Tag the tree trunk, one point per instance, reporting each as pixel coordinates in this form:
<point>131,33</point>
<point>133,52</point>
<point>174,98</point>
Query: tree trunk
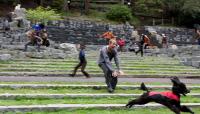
<point>65,6</point>
<point>122,2</point>
<point>153,23</point>
<point>42,2</point>
<point>86,5</point>
<point>17,2</point>
<point>172,20</point>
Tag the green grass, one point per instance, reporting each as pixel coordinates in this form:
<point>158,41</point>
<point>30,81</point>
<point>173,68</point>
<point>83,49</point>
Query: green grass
<point>108,111</point>
<point>75,90</point>
<point>92,83</point>
<point>79,100</point>
<point>151,66</point>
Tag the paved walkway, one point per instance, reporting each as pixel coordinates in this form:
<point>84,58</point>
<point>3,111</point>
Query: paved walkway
<point>93,79</point>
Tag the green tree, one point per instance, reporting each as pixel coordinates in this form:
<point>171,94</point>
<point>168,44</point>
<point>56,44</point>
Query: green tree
<point>172,9</point>
<point>148,7</point>
<point>120,13</point>
<point>41,14</point>
<point>191,7</point>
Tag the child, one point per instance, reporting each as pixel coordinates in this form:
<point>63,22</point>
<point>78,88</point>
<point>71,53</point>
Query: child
<point>82,62</point>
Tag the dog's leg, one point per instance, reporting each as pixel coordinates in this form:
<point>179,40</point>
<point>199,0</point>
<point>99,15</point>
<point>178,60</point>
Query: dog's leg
<point>186,109</point>
<point>172,107</point>
<point>143,99</point>
<point>137,102</point>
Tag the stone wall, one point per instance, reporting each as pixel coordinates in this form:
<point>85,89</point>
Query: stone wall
<point>76,31</point>
<point>188,55</point>
<point>178,36</point>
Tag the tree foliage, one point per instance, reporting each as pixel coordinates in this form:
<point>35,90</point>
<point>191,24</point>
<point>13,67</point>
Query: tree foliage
<point>149,7</point>
<point>173,7</point>
<point>119,13</point>
<point>41,14</point>
<point>192,7</point>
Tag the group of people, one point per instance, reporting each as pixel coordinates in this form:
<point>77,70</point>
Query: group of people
<point>37,36</point>
<point>144,43</point>
<point>120,41</point>
<point>106,54</point>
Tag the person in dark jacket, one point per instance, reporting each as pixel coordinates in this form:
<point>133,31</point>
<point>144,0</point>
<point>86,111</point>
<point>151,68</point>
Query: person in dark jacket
<point>107,53</point>
<point>82,62</point>
<point>140,45</point>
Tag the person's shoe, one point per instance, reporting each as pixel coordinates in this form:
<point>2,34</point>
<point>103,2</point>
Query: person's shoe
<point>71,75</point>
<point>88,77</point>
<point>110,90</point>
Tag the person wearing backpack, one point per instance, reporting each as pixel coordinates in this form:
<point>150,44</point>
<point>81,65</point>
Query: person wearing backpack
<point>34,37</point>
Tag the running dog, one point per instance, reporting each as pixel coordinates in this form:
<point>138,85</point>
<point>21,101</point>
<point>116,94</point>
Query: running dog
<point>170,99</point>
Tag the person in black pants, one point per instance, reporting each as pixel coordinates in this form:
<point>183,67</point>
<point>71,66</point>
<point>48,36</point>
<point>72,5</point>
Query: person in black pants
<point>82,63</point>
<point>140,45</point>
<point>107,53</point>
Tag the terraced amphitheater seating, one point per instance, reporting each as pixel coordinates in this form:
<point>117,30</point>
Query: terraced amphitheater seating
<point>132,65</point>
<point>56,97</point>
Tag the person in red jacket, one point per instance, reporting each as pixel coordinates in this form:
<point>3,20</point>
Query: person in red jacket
<point>121,43</point>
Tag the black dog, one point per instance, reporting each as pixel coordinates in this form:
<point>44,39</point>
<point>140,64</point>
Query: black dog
<point>170,99</point>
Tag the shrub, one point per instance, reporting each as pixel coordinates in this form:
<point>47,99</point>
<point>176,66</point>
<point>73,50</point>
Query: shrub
<point>41,14</point>
<point>119,13</point>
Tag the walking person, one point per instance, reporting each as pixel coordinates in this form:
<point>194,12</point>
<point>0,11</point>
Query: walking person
<point>82,62</point>
<point>107,53</point>
<point>198,36</point>
<point>164,41</point>
<point>140,45</point>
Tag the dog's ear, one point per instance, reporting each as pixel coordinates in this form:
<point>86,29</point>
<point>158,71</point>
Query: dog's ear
<point>175,80</point>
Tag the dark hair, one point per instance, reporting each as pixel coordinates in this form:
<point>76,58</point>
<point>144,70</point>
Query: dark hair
<point>42,26</point>
<point>82,45</point>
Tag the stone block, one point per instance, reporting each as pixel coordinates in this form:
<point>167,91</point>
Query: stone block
<point>195,58</point>
<point>196,64</point>
<point>5,57</point>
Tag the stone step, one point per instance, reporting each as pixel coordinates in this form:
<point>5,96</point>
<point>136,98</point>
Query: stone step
<point>56,96</point>
<point>94,73</point>
<point>93,63</point>
<point>133,59</point>
<point>98,70</point>
<point>158,68</point>
<point>37,86</point>
<point>51,107</point>
<point>64,74</point>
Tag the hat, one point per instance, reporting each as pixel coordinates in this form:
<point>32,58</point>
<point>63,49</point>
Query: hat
<point>163,35</point>
<point>36,27</point>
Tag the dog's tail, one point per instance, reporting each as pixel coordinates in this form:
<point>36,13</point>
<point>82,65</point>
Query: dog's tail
<point>143,87</point>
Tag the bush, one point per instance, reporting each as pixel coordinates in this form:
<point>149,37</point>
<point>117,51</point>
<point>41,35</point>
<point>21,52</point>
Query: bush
<point>119,13</point>
<point>41,14</point>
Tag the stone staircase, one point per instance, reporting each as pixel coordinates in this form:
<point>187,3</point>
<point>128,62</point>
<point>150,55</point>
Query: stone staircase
<point>54,98</point>
<point>132,65</point>
<point>45,97</point>
<point>39,97</point>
